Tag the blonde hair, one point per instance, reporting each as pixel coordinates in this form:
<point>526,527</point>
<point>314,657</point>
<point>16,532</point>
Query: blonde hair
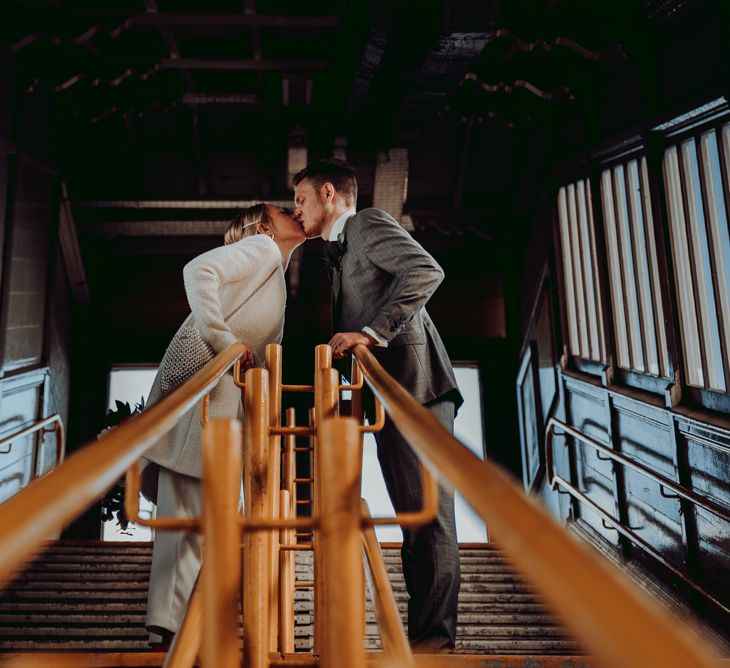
<point>244,224</point>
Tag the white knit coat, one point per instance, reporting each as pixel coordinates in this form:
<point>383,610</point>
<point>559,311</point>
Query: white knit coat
<point>236,293</point>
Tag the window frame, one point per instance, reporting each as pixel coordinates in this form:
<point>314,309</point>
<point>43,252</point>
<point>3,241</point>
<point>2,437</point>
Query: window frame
<point>619,153</point>
<point>691,126</point>
<point>651,142</point>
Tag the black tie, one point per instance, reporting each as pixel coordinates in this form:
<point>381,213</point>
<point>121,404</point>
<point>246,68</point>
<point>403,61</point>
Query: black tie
<point>332,255</point>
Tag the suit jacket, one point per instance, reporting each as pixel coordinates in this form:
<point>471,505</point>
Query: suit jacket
<point>386,279</point>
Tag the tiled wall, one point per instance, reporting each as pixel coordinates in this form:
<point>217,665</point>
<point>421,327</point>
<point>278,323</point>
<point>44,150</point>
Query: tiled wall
<point>35,304</point>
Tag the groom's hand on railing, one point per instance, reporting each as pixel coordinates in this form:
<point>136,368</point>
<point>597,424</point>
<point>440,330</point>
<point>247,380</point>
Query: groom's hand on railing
<point>342,342</point>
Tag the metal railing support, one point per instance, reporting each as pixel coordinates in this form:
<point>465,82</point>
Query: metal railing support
<point>395,643</point>
<point>186,643</point>
<point>222,566</point>
<point>326,401</point>
<point>343,606</point>
<point>273,366</point>
<point>286,579</point>
<point>256,563</point>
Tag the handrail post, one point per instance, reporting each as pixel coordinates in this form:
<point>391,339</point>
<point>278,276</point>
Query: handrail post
<point>288,509</point>
<point>356,377</point>
<point>286,580</point>
<point>343,608</point>
<point>325,404</point>
<point>395,643</point>
<point>222,540</point>
<point>256,571</point>
<point>186,642</point>
<point>273,366</point>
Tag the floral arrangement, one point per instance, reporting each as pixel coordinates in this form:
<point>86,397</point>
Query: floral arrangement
<point>112,505</point>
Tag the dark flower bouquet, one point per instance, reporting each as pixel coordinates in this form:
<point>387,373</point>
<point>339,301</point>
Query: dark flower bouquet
<point>112,505</point>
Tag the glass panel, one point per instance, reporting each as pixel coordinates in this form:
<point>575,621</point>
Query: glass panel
<point>643,283</point>
<point>718,219</point>
<point>594,352</point>
<point>468,429</point>
<point>614,271</point>
<point>578,272</point>
<point>682,273</point>
<point>596,281</point>
<point>703,267</point>
<point>652,255</point>
<point>568,272</point>
<point>627,267</point>
<point>130,386</point>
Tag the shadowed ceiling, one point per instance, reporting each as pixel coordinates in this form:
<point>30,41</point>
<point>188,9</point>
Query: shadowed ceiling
<point>164,116</point>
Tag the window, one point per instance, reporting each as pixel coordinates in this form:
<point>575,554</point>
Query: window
<point>696,179</point>
<point>638,316</point>
<point>129,385</point>
<point>468,428</point>
<point>580,272</point>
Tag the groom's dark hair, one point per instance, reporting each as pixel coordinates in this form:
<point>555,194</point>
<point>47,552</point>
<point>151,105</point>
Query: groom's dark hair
<point>338,172</point>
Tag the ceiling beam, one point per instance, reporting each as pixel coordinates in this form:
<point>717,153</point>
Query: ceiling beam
<point>173,204</point>
<point>245,65</point>
<point>222,99</point>
<point>243,19</point>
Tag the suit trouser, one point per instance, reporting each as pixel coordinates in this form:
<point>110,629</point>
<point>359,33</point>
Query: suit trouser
<point>430,553</point>
<point>176,554</point>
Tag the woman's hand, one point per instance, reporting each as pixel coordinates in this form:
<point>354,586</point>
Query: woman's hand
<point>248,361</point>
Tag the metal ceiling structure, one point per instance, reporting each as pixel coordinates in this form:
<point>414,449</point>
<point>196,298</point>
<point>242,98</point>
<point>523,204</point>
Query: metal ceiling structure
<point>185,99</point>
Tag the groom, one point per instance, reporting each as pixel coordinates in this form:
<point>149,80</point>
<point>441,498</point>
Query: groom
<point>381,281</point>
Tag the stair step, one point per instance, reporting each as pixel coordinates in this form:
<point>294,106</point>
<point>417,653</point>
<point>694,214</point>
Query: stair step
<point>90,618</point>
<point>129,644</point>
<point>92,598</point>
<point>79,595</point>
<point>72,631</point>
<point>89,567</point>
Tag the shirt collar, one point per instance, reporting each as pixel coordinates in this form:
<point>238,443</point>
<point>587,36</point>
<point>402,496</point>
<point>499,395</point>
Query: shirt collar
<point>339,225</point>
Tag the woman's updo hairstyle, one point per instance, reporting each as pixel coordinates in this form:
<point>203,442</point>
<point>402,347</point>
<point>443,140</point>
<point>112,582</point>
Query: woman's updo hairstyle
<point>244,224</point>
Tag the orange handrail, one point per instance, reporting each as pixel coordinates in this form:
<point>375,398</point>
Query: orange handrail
<point>621,625</point>
<point>50,502</point>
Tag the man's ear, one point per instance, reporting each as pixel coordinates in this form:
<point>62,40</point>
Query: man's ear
<point>328,190</point>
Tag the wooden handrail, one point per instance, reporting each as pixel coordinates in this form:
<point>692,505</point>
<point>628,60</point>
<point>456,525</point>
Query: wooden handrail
<point>622,625</point>
<point>50,502</point>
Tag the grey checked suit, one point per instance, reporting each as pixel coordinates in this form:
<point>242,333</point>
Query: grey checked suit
<point>384,281</point>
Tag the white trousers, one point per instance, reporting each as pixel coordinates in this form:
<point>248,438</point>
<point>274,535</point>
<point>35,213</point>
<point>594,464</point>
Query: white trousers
<point>176,554</point>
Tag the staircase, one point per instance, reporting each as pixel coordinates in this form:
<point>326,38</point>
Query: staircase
<point>498,613</point>
<point>79,596</point>
<point>90,597</point>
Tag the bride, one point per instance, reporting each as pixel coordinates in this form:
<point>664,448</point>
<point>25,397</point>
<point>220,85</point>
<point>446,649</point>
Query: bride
<point>236,292</point>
